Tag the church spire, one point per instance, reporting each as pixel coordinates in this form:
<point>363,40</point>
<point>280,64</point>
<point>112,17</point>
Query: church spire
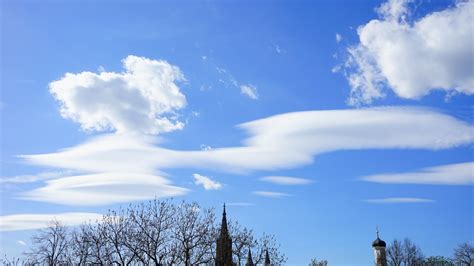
<point>249,259</point>
<point>267,258</point>
<point>224,244</point>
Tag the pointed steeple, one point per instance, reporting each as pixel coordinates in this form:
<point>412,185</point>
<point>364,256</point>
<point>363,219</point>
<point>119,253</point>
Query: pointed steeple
<point>267,258</point>
<point>224,230</point>
<point>249,259</point>
<point>224,244</point>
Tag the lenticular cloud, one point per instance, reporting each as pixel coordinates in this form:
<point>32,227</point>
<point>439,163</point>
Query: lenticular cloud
<point>143,98</point>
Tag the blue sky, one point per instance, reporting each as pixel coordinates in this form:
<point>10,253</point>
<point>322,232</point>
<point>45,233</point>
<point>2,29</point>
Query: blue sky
<point>315,121</point>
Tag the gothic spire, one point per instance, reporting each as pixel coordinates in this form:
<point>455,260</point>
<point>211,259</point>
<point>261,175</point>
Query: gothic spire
<point>267,258</point>
<point>224,230</point>
<point>249,259</point>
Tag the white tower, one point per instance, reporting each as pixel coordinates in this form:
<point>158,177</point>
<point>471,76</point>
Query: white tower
<point>379,251</point>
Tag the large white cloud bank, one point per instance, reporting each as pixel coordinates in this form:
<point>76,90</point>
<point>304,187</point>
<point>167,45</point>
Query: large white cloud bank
<point>143,98</point>
<point>412,58</point>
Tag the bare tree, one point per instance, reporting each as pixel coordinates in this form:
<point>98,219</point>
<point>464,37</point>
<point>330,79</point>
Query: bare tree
<point>268,243</point>
<point>154,233</point>
<point>150,229</point>
<point>464,254</point>
<point>80,247</point>
<point>242,240</point>
<point>49,245</point>
<point>412,254</point>
<point>116,229</point>
<point>395,253</point>
<point>315,262</point>
<point>192,231</point>
<point>101,251</point>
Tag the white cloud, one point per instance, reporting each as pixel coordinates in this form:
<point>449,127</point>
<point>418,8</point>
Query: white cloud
<point>18,222</point>
<point>249,91</point>
<point>205,147</point>
<point>451,174</point>
<point>271,194</point>
<point>338,37</point>
<point>412,57</point>
<point>206,182</point>
<point>34,178</point>
<point>278,142</point>
<point>286,180</point>
<point>400,200</point>
<point>136,100</point>
<point>21,242</point>
<point>279,50</point>
<point>104,188</point>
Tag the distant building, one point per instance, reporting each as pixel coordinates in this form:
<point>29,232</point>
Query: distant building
<point>224,247</point>
<point>224,244</point>
<point>379,251</point>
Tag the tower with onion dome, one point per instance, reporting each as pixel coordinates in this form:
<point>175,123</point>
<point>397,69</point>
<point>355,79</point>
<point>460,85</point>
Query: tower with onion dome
<point>379,251</point>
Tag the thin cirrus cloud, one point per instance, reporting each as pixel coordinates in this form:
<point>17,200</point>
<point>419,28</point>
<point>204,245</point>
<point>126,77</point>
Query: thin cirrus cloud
<point>144,98</point>
<point>412,58</point>
<point>278,142</point>
<point>206,182</point>
<point>250,91</point>
<point>271,194</point>
<point>451,174</point>
<point>287,180</point>
<point>399,200</point>
<point>18,222</point>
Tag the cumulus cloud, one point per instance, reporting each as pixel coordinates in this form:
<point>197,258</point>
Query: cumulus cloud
<point>451,174</point>
<point>206,182</point>
<point>249,91</point>
<point>103,188</point>
<point>143,98</point>
<point>271,194</point>
<point>400,200</point>
<point>18,222</point>
<point>412,58</point>
<point>286,180</point>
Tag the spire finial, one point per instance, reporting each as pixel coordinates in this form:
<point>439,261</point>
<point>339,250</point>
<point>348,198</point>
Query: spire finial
<point>377,230</point>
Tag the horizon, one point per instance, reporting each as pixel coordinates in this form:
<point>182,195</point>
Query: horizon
<point>316,122</point>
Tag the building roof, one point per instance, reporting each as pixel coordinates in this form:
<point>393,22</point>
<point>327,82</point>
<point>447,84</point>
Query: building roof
<point>378,243</point>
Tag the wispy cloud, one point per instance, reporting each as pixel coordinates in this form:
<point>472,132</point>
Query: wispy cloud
<point>451,174</point>
<point>271,194</point>
<point>206,182</point>
<point>249,91</point>
<point>338,37</point>
<point>286,180</point>
<point>21,242</point>
<point>18,222</point>
<point>399,200</point>
<point>20,179</point>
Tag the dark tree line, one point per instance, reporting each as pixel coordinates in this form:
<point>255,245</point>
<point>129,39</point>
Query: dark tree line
<point>407,253</point>
<point>152,233</point>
